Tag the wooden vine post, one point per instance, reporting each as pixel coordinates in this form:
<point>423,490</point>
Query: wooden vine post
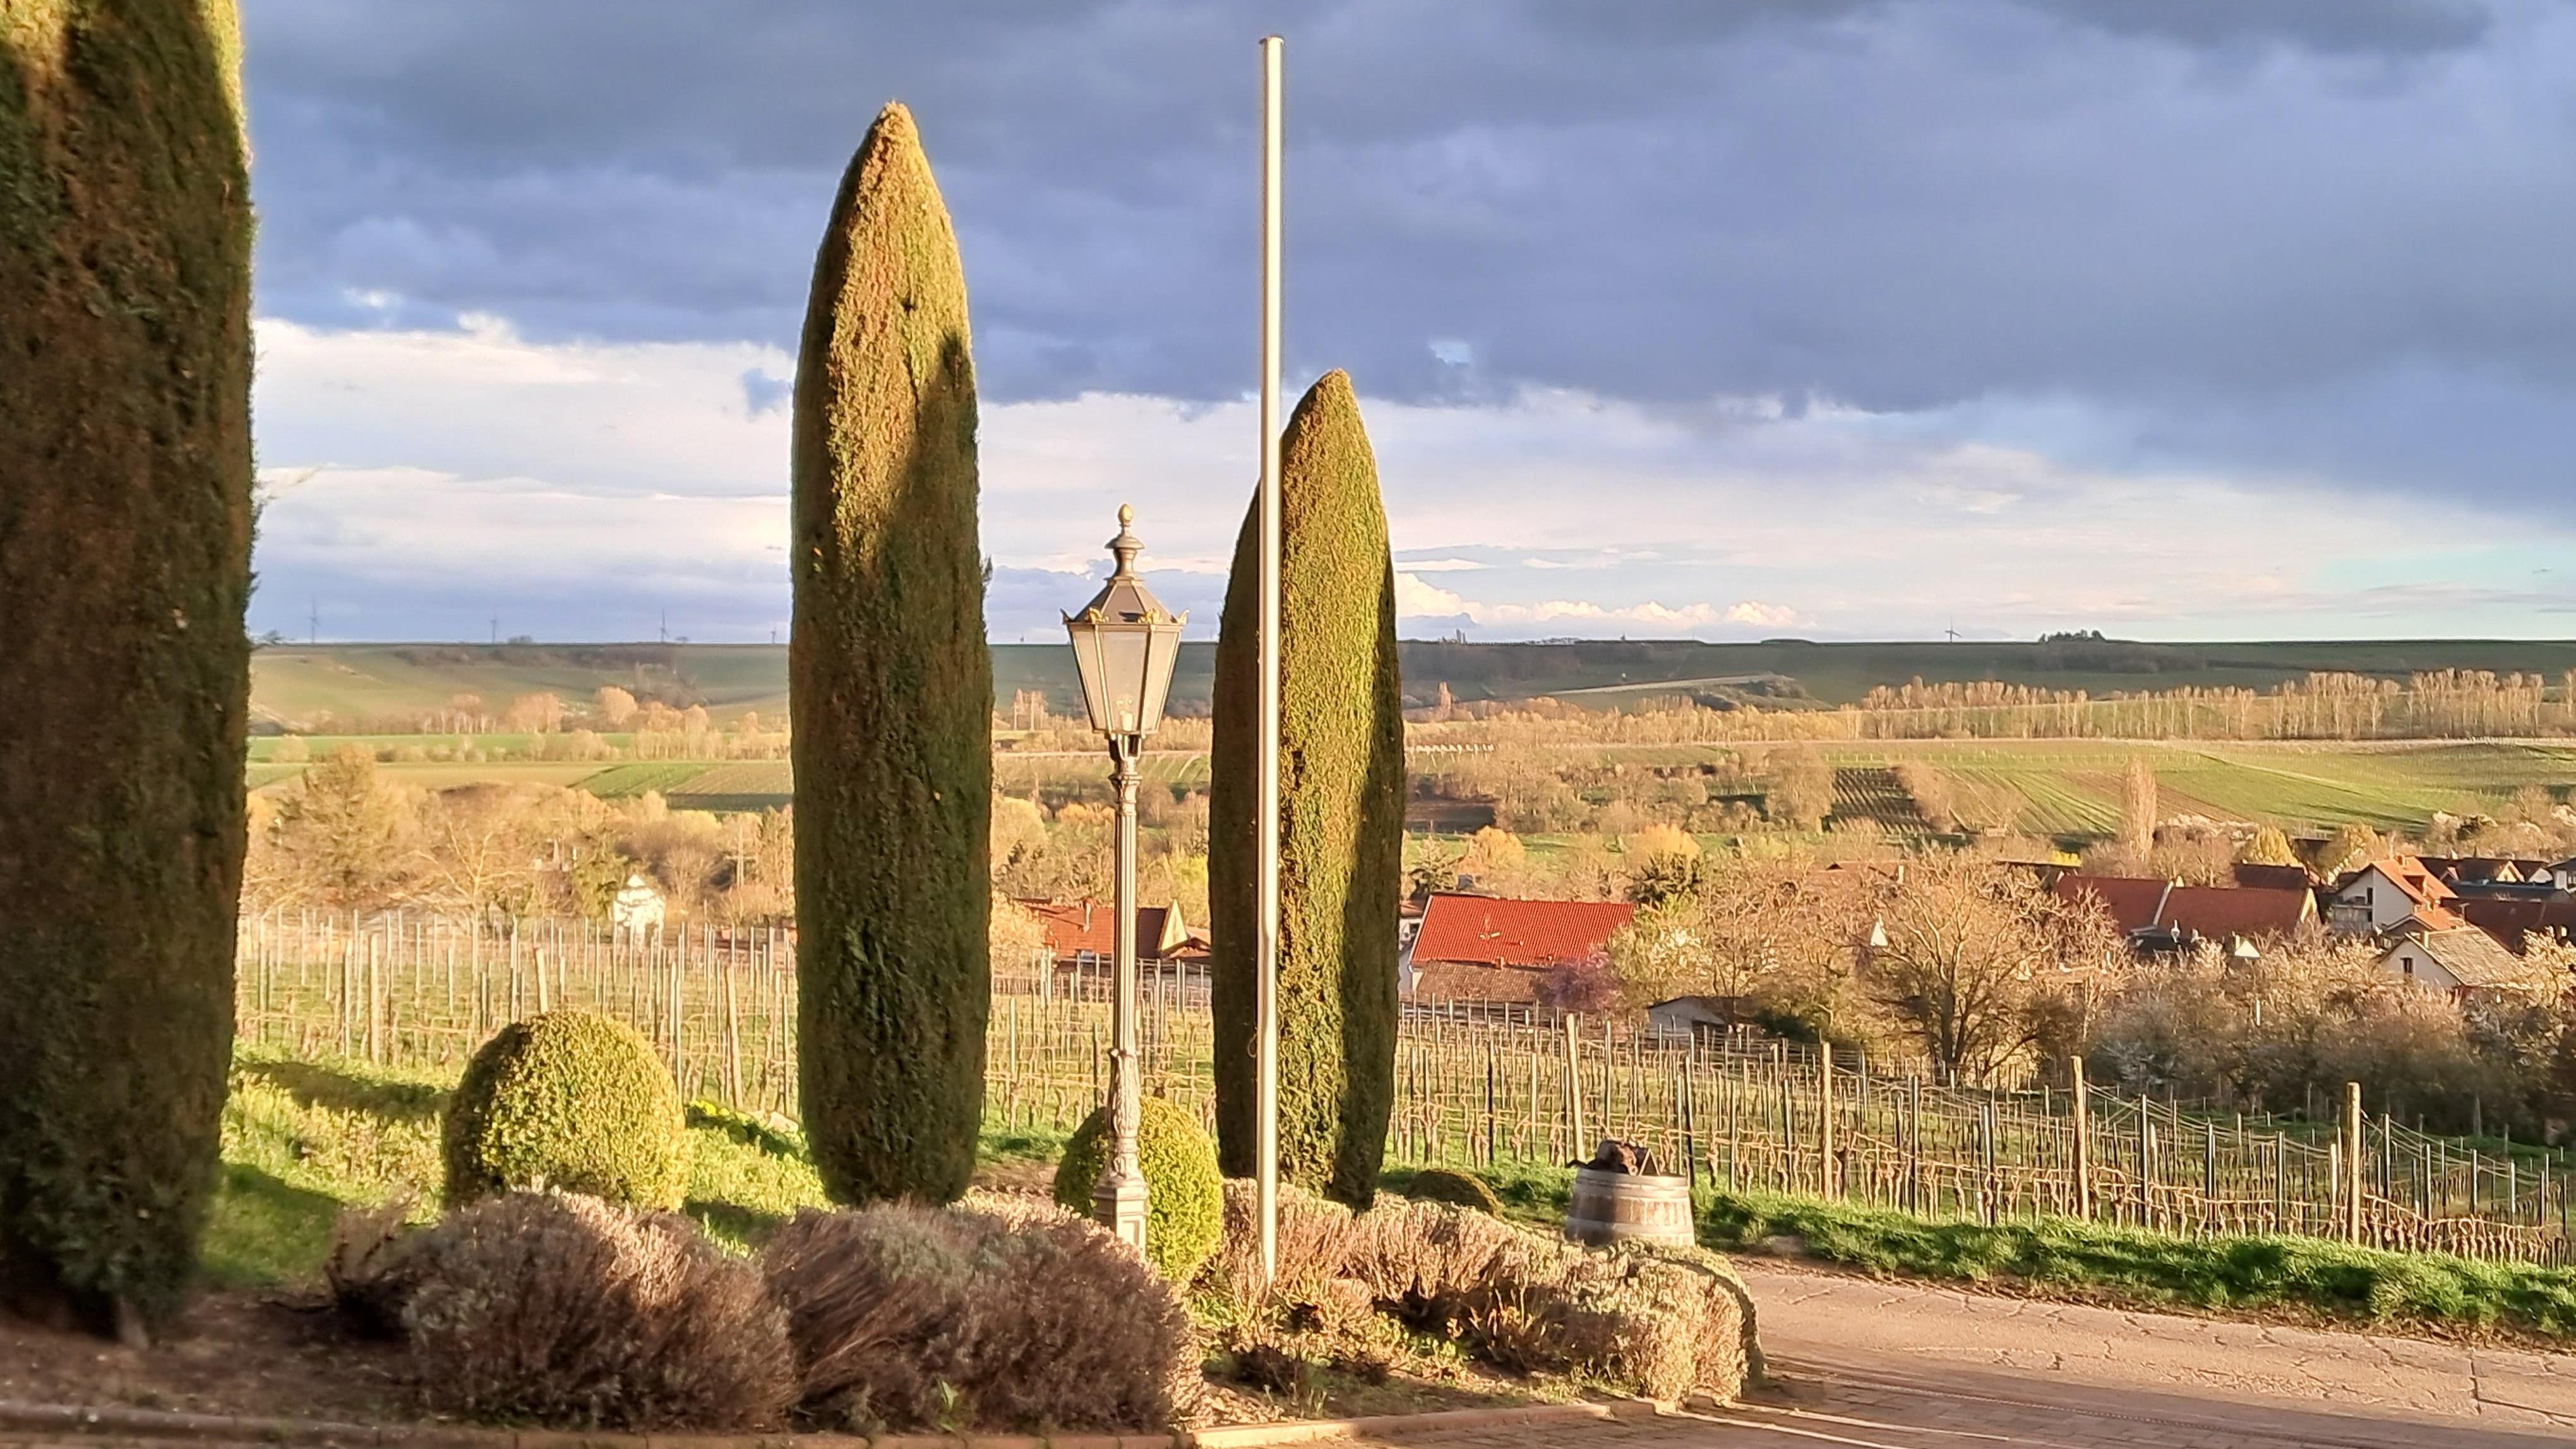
<point>2352,1157</point>
<point>1573,1092</point>
<point>2083,1142</point>
<point>1825,1118</point>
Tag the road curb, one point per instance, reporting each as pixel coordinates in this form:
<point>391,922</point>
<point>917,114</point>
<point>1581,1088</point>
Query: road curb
<point>72,1421</point>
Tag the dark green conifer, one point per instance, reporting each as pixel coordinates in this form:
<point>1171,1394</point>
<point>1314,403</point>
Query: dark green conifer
<point>125,521</point>
<point>1341,797</point>
<point>891,690</point>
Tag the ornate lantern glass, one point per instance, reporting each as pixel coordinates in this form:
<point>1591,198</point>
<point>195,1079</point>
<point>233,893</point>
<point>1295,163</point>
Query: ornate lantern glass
<point>1124,646</point>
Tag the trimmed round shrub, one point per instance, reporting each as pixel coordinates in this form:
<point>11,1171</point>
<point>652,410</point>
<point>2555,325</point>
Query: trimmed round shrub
<point>1442,1184</point>
<point>570,1101</point>
<point>1185,1202</point>
<point>564,1310</point>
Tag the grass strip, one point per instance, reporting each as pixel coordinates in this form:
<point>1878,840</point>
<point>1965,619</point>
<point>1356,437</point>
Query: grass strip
<point>2139,1269</point>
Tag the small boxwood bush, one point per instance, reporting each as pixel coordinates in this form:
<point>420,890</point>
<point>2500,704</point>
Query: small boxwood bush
<point>1445,1184</point>
<point>1185,1204</point>
<point>570,1101</point>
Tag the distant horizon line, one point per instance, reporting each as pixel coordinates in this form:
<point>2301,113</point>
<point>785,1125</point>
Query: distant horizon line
<point>1552,641</point>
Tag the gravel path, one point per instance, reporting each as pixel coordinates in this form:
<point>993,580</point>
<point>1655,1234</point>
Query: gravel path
<point>1831,1322</point>
<point>1903,1366</point>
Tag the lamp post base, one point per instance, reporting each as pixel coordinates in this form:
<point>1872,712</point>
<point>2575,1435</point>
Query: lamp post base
<point>1118,1204</point>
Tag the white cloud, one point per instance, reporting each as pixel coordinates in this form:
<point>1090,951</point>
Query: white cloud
<point>1754,611</point>
<point>591,484</point>
<point>1415,599</point>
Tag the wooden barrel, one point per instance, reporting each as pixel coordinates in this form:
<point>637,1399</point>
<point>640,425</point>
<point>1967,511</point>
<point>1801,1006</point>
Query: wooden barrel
<point>1611,1207</point>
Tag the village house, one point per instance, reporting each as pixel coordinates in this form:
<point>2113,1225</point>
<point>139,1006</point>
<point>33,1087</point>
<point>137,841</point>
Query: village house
<point>2384,894</point>
<point>2160,916</point>
<point>1082,935</point>
<point>1488,949</point>
<point>2463,961</point>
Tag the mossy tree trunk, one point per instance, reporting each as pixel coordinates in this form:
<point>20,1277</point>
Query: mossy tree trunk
<point>125,522</point>
<point>1341,798</point>
<point>891,691</point>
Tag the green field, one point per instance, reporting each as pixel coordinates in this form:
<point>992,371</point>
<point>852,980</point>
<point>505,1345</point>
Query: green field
<point>2058,788</point>
<point>448,774</point>
<point>300,685</point>
<point>619,782</point>
<point>2072,788</point>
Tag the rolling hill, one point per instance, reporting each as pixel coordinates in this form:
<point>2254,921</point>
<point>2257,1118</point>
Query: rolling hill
<point>304,687</point>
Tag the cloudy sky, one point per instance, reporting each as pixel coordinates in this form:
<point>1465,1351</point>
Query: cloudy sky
<point>1867,319</point>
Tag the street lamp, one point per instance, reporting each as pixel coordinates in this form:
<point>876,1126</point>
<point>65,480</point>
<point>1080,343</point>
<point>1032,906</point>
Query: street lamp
<point>1124,646</point>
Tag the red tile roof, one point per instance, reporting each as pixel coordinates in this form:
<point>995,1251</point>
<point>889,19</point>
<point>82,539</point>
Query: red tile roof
<point>2134,902</point>
<point>2139,904</point>
<point>1485,930</point>
<point>2509,920</point>
<point>2219,911</point>
<point>2430,918</point>
<point>1076,928</point>
<point>2273,877</point>
<point>2409,874</point>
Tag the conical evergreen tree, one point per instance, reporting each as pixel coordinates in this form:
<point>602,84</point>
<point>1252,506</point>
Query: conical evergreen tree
<point>891,690</point>
<point>125,519</point>
<point>1341,798</point>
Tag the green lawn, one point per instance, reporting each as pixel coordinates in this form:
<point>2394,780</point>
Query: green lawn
<point>2060,1257</point>
<point>2149,1270</point>
<point>303,1139</point>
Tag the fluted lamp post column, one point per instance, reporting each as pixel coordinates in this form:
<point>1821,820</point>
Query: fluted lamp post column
<point>1124,645</point>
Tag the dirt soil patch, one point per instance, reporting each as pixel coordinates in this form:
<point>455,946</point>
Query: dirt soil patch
<point>287,1355</point>
<point>261,1355</point>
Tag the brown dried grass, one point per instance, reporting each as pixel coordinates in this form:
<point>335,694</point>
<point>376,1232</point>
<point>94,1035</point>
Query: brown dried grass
<point>981,1316</point>
<point>1662,1322</point>
<point>1315,1240</point>
<point>1639,1323</point>
<point>369,1268</point>
<point>561,1309</point>
<point>1437,1265</point>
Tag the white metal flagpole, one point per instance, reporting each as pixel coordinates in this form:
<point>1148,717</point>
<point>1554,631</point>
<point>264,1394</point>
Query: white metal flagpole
<point>1266,856</point>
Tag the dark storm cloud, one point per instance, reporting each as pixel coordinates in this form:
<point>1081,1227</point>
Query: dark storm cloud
<point>2373,26</point>
<point>2319,238</point>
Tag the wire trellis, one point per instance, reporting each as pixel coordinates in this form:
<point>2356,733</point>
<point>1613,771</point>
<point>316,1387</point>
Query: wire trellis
<point>1486,1084</point>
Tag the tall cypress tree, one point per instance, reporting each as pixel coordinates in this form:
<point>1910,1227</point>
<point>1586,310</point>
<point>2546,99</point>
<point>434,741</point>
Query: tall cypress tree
<point>125,520</point>
<point>891,690</point>
<point>1341,798</point>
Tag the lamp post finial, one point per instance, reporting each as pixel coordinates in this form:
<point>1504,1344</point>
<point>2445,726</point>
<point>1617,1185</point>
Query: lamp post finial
<point>1126,545</point>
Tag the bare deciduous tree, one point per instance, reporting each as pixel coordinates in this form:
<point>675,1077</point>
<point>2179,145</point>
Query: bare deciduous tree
<point>1975,954</point>
<point>2138,808</point>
